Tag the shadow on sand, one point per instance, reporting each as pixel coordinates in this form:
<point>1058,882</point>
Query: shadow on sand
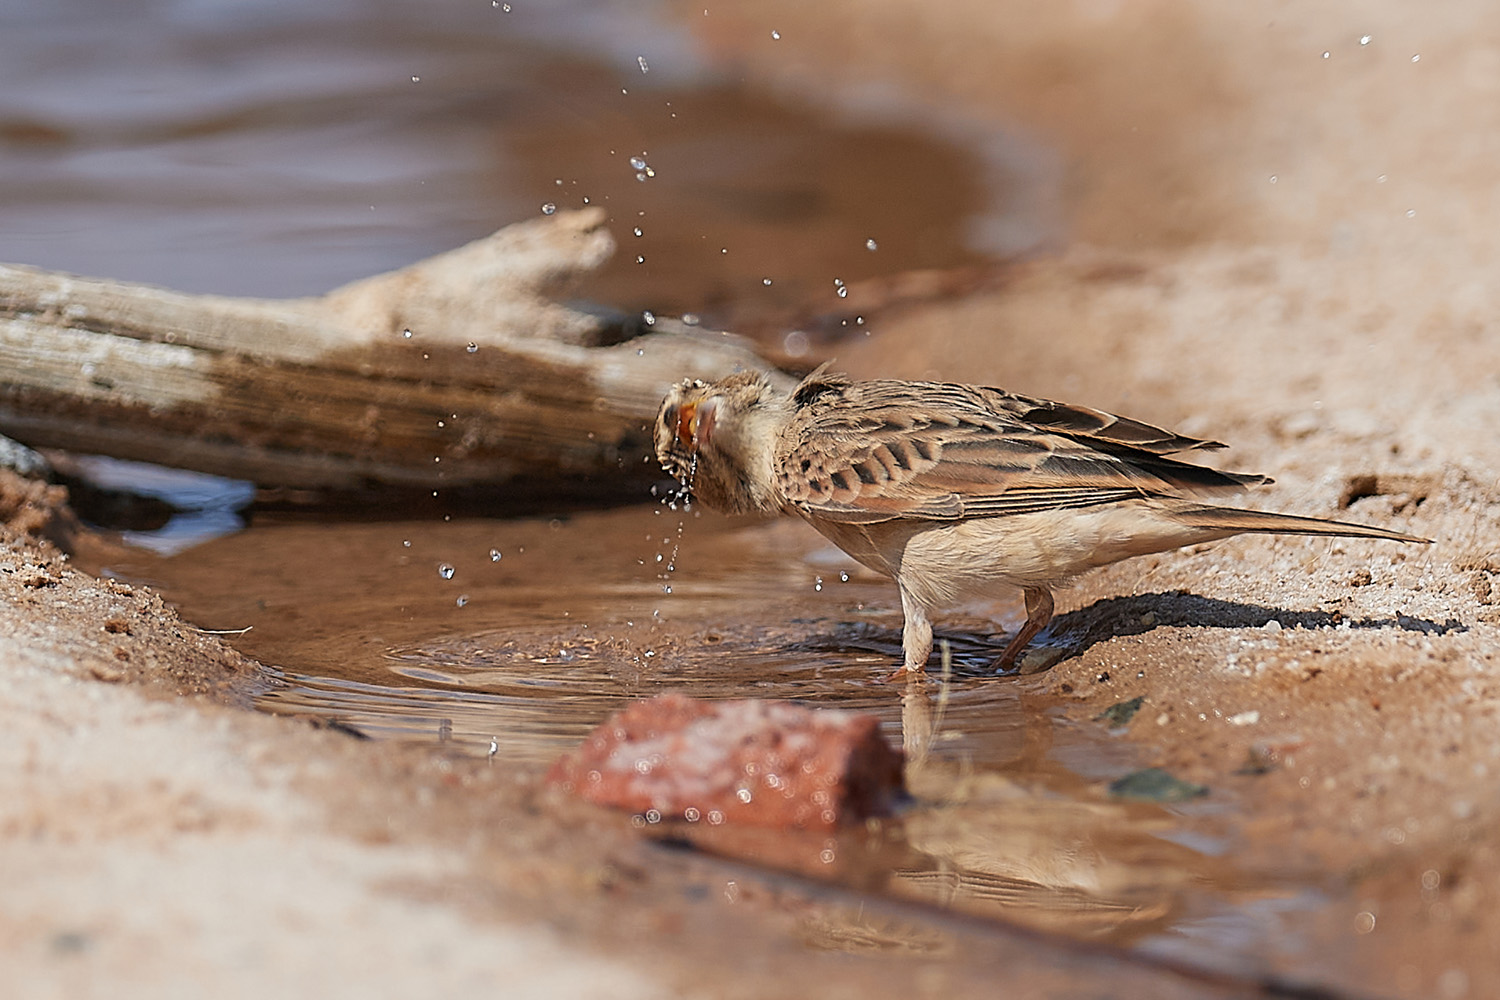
<point>1077,631</point>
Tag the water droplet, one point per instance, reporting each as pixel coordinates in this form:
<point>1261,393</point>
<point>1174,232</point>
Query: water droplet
<point>765,281</point>
<point>445,571</point>
<point>666,588</point>
<point>1380,179</point>
<point>795,344</point>
<point>1411,213</point>
<point>463,599</point>
<point>690,319</point>
<point>416,79</point>
<point>842,292</point>
<point>406,334</point>
<point>640,260</point>
<point>1365,39</point>
<point>871,245</point>
<point>1416,58</point>
<point>776,36</point>
<point>641,61</point>
<point>843,577</point>
<point>1326,54</point>
<point>638,232</point>
<point>495,555</point>
<point>637,163</point>
<point>817,583</point>
<point>1273,178</point>
<point>640,352</point>
<point>406,543</point>
<point>548,208</point>
<point>649,317</point>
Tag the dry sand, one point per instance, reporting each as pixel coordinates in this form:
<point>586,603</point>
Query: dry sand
<point>1290,252</point>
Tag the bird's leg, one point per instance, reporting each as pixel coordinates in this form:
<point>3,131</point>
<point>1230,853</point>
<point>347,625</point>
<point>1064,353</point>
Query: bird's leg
<point>916,635</point>
<point>1038,614</point>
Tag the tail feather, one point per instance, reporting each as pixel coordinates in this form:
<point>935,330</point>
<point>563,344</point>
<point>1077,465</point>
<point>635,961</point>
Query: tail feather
<point>1230,519</point>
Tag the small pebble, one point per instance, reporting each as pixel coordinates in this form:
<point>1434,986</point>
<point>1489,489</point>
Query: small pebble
<point>1034,661</point>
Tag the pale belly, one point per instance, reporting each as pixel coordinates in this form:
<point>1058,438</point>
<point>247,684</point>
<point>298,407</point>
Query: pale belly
<point>940,562</point>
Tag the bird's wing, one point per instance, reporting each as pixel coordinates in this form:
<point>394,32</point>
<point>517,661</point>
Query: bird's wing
<point>874,451</point>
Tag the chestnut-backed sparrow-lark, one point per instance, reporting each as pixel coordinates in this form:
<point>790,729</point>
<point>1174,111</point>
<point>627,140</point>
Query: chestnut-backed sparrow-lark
<point>956,490</point>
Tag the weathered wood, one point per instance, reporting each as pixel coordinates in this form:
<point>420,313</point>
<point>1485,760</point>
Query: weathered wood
<point>462,370</point>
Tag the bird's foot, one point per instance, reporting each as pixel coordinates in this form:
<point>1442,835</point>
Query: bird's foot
<point>905,672</point>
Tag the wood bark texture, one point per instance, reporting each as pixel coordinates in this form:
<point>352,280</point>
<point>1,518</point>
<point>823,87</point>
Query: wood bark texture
<point>462,371</point>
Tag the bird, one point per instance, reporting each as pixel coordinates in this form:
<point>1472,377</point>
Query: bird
<point>956,491</point>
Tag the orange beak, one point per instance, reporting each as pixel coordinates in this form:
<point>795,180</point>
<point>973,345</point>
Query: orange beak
<point>687,425</point>
<point>695,423</point>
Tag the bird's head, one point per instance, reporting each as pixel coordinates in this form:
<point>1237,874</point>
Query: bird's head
<point>717,439</point>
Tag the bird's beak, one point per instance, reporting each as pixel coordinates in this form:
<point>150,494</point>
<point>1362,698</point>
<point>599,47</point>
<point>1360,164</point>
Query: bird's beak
<point>695,422</point>
<point>687,424</point>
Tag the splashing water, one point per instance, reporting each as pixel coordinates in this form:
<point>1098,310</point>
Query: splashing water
<point>683,497</point>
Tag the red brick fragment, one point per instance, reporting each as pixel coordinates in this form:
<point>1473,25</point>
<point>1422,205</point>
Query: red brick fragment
<point>764,763</point>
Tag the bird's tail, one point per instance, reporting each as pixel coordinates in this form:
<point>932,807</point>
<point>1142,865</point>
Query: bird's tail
<point>1234,521</point>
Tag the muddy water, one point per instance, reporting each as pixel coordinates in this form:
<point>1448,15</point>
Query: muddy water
<point>511,639</point>
<point>518,636</point>
<point>277,148</point>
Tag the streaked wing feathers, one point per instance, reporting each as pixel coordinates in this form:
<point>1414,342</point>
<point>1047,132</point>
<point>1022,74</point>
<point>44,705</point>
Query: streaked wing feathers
<point>872,451</point>
<point>1071,419</point>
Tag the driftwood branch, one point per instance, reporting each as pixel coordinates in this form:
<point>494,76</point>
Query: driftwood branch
<point>463,370</point>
